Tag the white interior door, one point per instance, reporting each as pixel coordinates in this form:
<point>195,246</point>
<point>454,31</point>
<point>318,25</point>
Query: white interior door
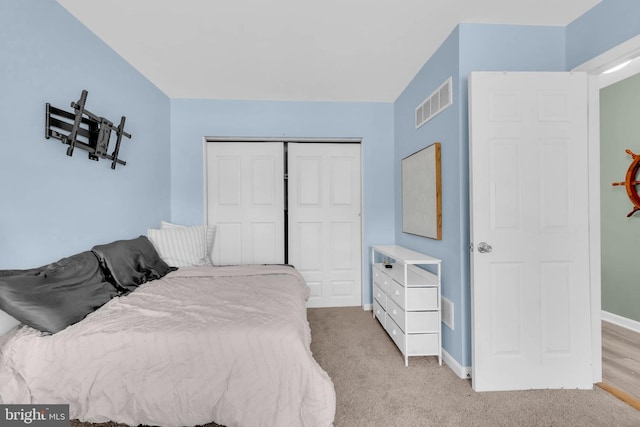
<point>245,200</point>
<point>531,318</point>
<point>324,221</point>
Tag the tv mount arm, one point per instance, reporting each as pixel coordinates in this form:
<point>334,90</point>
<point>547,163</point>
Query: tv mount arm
<point>85,130</point>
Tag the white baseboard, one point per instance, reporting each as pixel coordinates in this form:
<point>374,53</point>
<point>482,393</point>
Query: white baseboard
<point>367,307</point>
<point>634,325</point>
<point>463,372</point>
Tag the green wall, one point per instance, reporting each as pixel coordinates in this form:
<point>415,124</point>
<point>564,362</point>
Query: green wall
<point>620,130</point>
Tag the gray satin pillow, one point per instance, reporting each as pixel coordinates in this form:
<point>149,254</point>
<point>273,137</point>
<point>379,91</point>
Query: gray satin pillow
<point>54,296</point>
<point>128,264</point>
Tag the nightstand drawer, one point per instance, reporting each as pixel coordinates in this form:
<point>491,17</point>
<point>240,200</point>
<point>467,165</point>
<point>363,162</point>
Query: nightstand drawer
<point>379,312</point>
<point>422,299</point>
<point>423,344</point>
<point>385,283</point>
<point>395,291</point>
<point>395,333</point>
<point>423,321</point>
<point>380,296</point>
<point>396,313</point>
<point>416,321</point>
<point>416,344</point>
<point>378,271</point>
<point>417,298</point>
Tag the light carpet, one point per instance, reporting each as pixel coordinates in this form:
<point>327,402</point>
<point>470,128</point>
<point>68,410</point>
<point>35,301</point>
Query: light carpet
<point>374,388</point>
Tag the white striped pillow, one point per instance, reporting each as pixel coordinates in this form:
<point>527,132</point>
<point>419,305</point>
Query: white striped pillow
<point>180,246</point>
<point>210,237</point>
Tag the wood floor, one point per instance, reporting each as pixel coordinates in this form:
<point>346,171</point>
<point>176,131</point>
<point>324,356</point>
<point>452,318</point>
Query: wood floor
<point>621,359</point>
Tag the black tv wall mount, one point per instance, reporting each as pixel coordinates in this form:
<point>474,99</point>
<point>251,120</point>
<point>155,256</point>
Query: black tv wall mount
<point>83,129</point>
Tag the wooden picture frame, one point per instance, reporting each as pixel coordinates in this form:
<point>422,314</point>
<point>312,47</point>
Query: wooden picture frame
<point>422,193</point>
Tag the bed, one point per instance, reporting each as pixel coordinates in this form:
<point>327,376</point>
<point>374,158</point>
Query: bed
<point>200,344</point>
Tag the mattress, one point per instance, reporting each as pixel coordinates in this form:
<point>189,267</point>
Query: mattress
<point>202,344</point>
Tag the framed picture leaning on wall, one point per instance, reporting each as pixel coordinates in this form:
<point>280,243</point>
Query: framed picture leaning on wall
<point>422,193</point>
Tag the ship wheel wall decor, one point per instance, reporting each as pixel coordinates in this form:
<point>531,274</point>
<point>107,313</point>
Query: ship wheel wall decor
<point>632,182</point>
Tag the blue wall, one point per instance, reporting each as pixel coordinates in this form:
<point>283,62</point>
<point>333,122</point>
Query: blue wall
<point>601,28</point>
<point>53,205</point>
<point>192,120</point>
<point>443,128</point>
<point>470,47</point>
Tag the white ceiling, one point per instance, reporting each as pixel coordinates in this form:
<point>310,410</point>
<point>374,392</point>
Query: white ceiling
<point>305,50</point>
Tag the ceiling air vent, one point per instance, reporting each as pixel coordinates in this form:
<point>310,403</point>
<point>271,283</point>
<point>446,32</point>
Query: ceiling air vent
<point>439,100</point>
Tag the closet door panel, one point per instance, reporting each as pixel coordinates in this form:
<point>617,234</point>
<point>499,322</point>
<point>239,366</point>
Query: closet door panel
<point>324,190</point>
<point>245,200</point>
<point>227,248</point>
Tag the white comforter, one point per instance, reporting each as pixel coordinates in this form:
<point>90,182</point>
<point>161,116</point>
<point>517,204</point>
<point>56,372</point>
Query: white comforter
<point>223,344</point>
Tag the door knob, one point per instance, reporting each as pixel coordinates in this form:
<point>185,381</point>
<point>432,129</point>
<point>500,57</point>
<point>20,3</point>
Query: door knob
<point>484,248</point>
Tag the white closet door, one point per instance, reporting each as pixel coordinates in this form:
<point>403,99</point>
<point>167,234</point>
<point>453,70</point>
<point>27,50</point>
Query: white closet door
<point>324,221</point>
<point>245,200</point>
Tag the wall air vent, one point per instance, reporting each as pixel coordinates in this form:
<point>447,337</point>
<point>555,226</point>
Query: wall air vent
<point>439,100</point>
<point>447,312</point>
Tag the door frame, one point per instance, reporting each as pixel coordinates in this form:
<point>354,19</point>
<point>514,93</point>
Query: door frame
<point>594,67</point>
<point>327,140</point>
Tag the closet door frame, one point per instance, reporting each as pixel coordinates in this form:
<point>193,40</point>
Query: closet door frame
<point>231,139</point>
